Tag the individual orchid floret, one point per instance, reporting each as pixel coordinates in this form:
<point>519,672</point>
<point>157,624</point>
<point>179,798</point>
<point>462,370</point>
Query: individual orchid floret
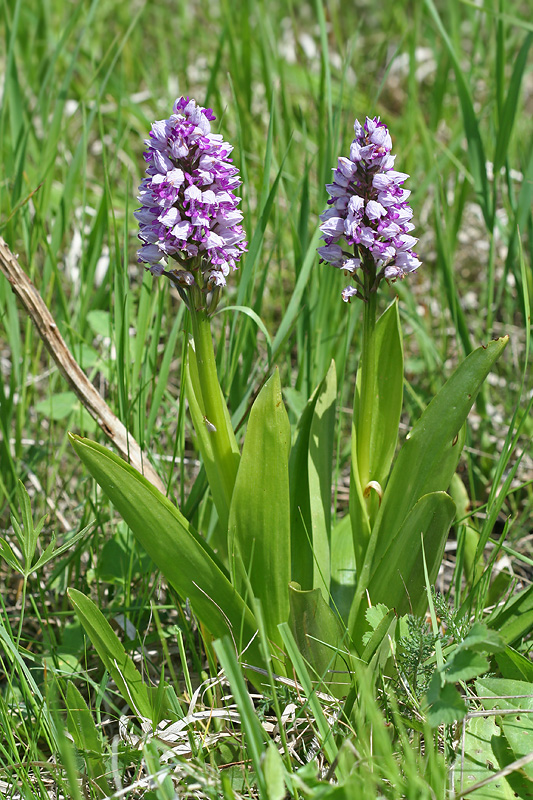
<point>367,225</point>
<point>189,222</point>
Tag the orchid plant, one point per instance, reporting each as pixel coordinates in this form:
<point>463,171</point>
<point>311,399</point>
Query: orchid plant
<point>280,568</point>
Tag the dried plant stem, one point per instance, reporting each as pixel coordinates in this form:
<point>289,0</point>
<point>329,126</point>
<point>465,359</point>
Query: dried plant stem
<point>70,369</point>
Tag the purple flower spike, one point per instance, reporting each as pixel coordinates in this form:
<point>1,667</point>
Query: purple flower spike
<point>368,210</point>
<point>188,210</point>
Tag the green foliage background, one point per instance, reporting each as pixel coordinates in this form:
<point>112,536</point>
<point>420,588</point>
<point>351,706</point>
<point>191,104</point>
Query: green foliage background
<point>81,83</point>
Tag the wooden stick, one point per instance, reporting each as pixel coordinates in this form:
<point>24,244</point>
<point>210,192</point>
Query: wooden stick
<point>70,369</point>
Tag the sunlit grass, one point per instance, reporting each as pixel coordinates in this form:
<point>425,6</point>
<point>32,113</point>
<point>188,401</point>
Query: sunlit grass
<point>81,85</point>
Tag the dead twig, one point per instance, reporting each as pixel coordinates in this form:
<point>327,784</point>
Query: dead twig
<point>70,369</point>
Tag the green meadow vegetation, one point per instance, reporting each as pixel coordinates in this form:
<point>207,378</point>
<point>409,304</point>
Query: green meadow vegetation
<point>258,618</point>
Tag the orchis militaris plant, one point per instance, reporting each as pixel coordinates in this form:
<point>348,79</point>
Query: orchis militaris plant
<point>368,209</point>
<point>281,567</point>
<point>189,219</point>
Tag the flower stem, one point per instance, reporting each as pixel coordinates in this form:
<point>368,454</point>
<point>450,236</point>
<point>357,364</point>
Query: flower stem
<point>367,397</point>
<point>224,444</point>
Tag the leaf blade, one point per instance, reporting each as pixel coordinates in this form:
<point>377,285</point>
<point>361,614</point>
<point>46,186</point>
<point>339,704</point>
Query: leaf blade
<point>259,519</point>
<point>172,543</point>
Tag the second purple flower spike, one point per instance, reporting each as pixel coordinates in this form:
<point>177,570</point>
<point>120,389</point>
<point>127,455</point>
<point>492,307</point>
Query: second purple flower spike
<point>368,209</point>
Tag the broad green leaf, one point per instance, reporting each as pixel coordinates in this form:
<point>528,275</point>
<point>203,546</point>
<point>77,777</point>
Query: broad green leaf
<point>428,457</point>
<point>514,665</point>
<point>204,438</point>
<point>321,638</point>
<point>310,470</point>
<point>259,520</point>
<point>300,522</point>
<point>445,703</point>
<point>481,762</point>
<point>83,730</point>
<point>342,567</point>
<point>274,773</point>
<point>464,665</point>
<point>389,393</point>
<point>57,406</point>
<point>515,619</point>
<point>503,693</point>
<point>183,557</point>
<point>398,580</point>
<point>518,731</point>
<point>112,654</point>
<point>517,728</point>
<point>320,467</point>
<point>384,428</point>
<point>482,639</point>
<point>220,482</point>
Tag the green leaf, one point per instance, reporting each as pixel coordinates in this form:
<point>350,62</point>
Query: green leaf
<point>83,730</point>
<point>398,580</point>
<point>52,552</point>
<point>429,456</point>
<point>218,482</point>
<point>445,703</point>
<point>259,520</point>
<point>300,522</point>
<point>375,614</point>
<point>384,427</point>
<point>482,639</point>
<point>517,729</point>
<point>502,693</point>
<point>30,532</point>
<point>112,654</point>
<point>383,621</point>
<point>389,393</point>
<point>464,665</point>
<point>320,637</point>
<point>57,406</point>
<point>342,567</point>
<point>274,773</point>
<point>514,665</point>
<point>183,557</point>
<point>310,475</point>
<point>481,762</point>
<point>320,465</point>
<point>9,556</point>
<point>515,619</point>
